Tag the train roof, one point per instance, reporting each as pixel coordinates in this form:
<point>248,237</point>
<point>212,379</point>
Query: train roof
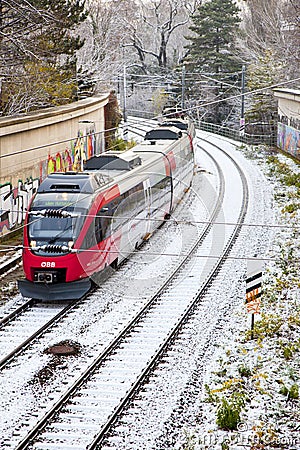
<point>181,124</point>
<point>163,133</point>
<point>74,182</point>
<point>106,168</point>
<point>113,161</point>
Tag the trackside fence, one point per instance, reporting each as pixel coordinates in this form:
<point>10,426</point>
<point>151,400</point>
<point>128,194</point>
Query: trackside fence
<point>249,139</point>
<point>141,114</point>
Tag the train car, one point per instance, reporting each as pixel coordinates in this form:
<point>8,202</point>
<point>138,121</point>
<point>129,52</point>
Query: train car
<point>80,223</point>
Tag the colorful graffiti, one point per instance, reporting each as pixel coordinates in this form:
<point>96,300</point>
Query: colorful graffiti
<point>84,146</point>
<point>61,162</point>
<point>288,139</point>
<point>14,200</point>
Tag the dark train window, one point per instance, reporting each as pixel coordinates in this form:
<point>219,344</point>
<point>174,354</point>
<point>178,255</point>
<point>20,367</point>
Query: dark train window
<point>90,238</point>
<point>98,229</point>
<point>160,188</point>
<point>112,215</point>
<point>105,215</point>
<point>131,203</point>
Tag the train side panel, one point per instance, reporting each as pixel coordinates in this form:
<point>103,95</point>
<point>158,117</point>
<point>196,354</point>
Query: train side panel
<point>119,206</point>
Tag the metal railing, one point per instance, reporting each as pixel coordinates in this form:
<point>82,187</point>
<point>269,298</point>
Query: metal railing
<point>250,139</point>
<point>246,138</point>
<point>141,114</point>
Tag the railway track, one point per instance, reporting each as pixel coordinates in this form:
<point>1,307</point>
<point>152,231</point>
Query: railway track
<point>21,327</point>
<point>76,418</point>
<point>10,265</point>
<point>188,311</point>
<point>11,262</point>
<point>80,412</point>
<point>27,356</point>
<point>25,324</point>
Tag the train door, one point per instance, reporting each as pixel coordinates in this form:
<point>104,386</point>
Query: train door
<point>148,202</point>
<point>133,209</point>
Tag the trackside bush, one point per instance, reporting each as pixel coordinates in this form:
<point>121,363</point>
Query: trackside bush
<point>228,413</point>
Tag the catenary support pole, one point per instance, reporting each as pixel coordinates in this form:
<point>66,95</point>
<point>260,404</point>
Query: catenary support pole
<point>242,119</point>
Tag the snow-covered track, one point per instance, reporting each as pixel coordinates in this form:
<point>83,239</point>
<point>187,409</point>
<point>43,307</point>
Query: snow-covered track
<point>184,286</point>
<point>139,127</point>
<point>98,397</point>
<point>28,322</point>
<point>11,262</point>
<point>136,321</point>
<point>163,408</point>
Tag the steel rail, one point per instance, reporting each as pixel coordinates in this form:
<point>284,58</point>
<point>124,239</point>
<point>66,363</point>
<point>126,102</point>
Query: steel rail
<point>25,308</point>
<point>38,333</point>
<point>17,312</point>
<point>98,440</point>
<point>46,419</point>
<point>9,264</point>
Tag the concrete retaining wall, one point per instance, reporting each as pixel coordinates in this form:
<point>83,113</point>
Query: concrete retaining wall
<point>288,138</point>
<point>33,145</point>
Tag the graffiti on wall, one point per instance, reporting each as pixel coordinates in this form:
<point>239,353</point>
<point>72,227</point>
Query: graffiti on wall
<point>289,139</point>
<point>14,200</point>
<point>85,145</point>
<point>61,162</point>
<point>82,148</point>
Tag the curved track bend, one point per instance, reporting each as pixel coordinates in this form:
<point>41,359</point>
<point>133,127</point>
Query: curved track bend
<point>83,415</point>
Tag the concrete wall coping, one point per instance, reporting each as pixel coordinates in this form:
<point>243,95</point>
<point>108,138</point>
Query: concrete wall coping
<point>37,119</point>
<point>290,94</point>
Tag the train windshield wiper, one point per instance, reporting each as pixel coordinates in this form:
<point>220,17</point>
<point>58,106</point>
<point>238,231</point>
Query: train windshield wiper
<point>56,213</point>
<point>59,235</point>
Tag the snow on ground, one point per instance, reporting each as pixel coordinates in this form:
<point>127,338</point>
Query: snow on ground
<point>250,388</point>
<point>171,404</point>
<point>249,385</point>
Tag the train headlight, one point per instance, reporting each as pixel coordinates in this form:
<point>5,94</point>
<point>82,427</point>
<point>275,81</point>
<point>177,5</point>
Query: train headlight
<point>70,244</point>
<point>32,244</point>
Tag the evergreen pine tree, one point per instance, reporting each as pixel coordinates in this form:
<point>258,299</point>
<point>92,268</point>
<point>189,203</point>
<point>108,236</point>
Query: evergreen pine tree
<point>261,112</point>
<point>215,24</point>
<point>58,37</point>
<point>211,52</point>
<point>39,51</point>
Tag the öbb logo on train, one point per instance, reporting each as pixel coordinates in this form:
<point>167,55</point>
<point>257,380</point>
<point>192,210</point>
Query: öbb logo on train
<point>47,264</point>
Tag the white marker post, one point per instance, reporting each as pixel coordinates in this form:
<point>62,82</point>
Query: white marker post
<point>253,289</point>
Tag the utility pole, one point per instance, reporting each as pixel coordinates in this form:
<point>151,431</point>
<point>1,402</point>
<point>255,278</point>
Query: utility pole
<point>125,130</point>
<point>1,80</point>
<point>242,119</point>
<point>183,88</point>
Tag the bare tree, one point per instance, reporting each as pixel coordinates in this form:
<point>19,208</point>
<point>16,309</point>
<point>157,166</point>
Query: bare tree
<point>18,21</point>
<point>103,56</point>
<point>270,47</point>
<point>26,25</point>
<point>153,34</point>
<point>38,42</point>
<point>273,26</point>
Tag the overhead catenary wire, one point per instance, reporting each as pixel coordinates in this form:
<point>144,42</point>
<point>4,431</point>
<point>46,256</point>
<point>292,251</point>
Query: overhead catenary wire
<point>170,220</point>
<point>180,221</point>
<point>176,221</point>
<point>186,110</point>
<point>182,255</point>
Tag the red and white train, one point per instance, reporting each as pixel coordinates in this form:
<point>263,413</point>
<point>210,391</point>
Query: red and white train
<point>80,223</point>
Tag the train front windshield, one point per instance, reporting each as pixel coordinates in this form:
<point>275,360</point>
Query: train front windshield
<point>60,231</point>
